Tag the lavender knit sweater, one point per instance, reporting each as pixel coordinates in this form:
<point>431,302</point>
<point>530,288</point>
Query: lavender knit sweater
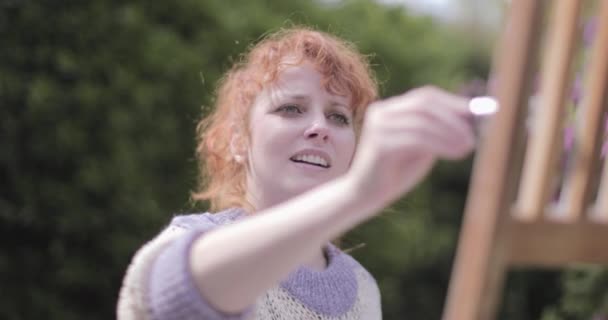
<point>159,284</point>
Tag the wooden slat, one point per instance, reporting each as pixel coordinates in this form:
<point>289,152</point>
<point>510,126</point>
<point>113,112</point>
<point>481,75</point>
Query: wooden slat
<point>479,269</point>
<point>555,244</point>
<point>544,146</point>
<point>598,87</point>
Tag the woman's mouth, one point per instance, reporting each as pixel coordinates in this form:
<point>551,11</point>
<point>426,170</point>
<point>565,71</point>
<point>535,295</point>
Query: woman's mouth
<point>310,159</point>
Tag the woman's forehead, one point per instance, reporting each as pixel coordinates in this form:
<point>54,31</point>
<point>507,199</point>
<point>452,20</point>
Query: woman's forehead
<point>300,81</point>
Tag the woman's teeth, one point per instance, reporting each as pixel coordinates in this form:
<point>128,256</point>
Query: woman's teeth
<point>315,160</point>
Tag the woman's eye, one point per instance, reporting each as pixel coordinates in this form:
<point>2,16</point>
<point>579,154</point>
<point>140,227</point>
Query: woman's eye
<point>290,108</point>
<point>339,118</point>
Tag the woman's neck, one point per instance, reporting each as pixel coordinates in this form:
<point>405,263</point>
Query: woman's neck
<point>319,261</point>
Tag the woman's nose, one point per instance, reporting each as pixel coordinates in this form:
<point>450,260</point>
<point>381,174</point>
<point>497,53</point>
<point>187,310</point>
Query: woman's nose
<point>318,130</point>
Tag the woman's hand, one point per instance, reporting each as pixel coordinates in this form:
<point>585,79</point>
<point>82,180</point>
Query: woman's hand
<point>401,139</point>
<point>403,136</point>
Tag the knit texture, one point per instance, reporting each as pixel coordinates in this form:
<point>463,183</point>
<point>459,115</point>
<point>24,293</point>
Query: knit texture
<point>344,290</point>
<point>332,291</point>
<point>132,300</point>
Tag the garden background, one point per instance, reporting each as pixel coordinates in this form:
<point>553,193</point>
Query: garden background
<point>98,106</point>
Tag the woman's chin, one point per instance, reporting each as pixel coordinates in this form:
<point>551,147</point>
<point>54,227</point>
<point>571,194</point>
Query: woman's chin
<point>300,187</point>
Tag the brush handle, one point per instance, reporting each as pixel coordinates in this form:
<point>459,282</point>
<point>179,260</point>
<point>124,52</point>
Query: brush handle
<point>481,109</point>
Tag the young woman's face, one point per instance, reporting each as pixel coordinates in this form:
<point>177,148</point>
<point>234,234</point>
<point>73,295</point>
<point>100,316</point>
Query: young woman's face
<point>300,137</point>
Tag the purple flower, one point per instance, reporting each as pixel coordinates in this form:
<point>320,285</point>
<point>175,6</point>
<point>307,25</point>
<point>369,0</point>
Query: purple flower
<point>605,144</point>
<point>577,89</point>
<point>568,137</point>
<point>590,31</point>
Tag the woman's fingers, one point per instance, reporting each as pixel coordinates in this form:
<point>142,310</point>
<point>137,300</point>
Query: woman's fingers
<point>403,136</point>
<point>417,133</point>
<point>428,97</point>
<point>437,128</point>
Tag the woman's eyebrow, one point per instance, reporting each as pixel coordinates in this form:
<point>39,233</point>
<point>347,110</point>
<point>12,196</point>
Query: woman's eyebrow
<point>278,97</point>
<point>300,97</point>
<point>332,102</point>
<point>341,105</point>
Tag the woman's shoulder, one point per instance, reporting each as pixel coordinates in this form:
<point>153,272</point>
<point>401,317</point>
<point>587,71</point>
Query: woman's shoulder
<point>205,220</point>
<point>353,263</point>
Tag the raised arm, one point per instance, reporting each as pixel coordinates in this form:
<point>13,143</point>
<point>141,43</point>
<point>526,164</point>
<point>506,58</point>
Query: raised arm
<point>401,139</point>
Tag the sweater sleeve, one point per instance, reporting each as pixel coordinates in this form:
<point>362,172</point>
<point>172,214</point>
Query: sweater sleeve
<point>172,291</point>
<point>158,280</point>
<point>132,302</point>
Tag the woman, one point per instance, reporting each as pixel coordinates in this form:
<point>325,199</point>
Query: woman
<point>297,152</point>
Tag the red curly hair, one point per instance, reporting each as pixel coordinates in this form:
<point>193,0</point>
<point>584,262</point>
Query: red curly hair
<point>345,72</point>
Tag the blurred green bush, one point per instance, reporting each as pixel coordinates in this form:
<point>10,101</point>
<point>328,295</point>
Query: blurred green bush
<point>98,103</point>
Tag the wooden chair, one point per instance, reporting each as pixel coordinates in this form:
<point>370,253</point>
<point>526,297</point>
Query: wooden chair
<point>510,220</point>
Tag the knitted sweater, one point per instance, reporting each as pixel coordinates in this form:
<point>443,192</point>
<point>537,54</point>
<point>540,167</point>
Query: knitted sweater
<point>159,285</point>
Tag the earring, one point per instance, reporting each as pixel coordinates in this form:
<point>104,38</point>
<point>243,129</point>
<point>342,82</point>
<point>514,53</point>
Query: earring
<point>237,148</point>
<point>238,158</point>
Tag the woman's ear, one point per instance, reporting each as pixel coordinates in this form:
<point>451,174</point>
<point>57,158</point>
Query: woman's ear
<point>238,148</point>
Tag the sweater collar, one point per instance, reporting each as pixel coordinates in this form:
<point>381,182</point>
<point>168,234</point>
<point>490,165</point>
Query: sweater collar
<point>332,291</point>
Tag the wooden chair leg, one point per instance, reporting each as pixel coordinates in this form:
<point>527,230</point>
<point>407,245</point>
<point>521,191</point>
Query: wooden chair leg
<point>480,262</point>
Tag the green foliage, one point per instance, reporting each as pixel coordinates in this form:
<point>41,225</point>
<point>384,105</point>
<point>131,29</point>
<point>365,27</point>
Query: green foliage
<point>585,294</point>
<point>98,103</point>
